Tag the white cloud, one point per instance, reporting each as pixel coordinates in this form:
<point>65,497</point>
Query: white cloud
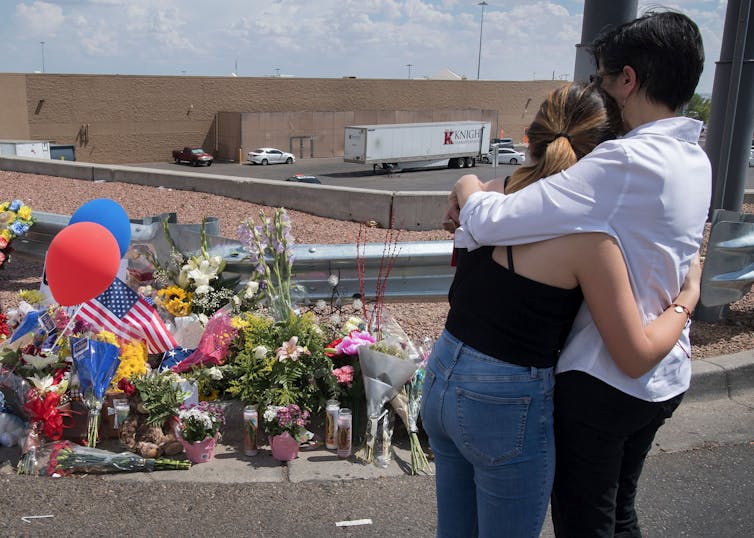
<point>39,18</point>
<point>326,38</point>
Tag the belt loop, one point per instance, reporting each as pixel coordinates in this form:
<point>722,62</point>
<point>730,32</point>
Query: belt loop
<point>534,372</point>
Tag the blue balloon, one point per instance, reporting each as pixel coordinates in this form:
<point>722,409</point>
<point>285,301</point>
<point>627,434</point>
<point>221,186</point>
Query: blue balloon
<point>108,214</point>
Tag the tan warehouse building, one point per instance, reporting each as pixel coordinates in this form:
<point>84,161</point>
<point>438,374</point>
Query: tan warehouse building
<point>139,119</point>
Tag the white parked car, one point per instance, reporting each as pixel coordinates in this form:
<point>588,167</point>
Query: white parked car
<point>265,156</point>
<point>506,156</point>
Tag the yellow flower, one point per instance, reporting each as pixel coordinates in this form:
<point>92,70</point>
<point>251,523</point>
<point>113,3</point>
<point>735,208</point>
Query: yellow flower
<point>133,360</point>
<point>175,300</point>
<point>7,217</point>
<point>33,297</point>
<point>4,206</point>
<point>5,234</point>
<point>24,212</point>
<point>107,337</point>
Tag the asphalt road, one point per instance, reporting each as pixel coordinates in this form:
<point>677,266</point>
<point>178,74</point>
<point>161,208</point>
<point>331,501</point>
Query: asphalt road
<point>333,171</point>
<point>701,488</point>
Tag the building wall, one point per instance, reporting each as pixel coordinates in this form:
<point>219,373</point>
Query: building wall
<point>139,119</point>
<point>14,124</point>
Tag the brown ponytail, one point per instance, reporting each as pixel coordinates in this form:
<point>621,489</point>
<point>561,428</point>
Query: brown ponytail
<point>571,122</point>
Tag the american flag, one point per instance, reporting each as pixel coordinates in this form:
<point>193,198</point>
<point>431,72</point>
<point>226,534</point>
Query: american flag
<point>120,310</point>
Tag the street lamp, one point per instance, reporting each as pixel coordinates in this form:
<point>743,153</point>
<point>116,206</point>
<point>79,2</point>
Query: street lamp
<point>481,27</point>
<point>43,55</point>
<point>409,70</point>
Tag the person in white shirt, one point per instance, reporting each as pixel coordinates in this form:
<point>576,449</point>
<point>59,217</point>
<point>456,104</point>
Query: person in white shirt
<point>650,191</point>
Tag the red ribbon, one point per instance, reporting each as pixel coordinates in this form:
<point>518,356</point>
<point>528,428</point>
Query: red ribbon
<point>47,411</point>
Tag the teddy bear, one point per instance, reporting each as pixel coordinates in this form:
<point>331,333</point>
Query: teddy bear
<point>146,440</point>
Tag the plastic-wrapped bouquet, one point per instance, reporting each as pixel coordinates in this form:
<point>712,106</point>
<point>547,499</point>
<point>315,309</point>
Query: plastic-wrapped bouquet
<point>15,220</point>
<point>67,458</point>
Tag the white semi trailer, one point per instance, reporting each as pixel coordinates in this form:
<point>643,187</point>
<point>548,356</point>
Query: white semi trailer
<point>453,144</point>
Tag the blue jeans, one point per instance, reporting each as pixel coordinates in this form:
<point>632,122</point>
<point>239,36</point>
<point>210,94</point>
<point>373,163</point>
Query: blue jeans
<point>490,426</point>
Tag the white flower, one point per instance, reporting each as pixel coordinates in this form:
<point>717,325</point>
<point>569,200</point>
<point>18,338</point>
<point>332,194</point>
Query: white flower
<point>357,304</point>
<point>39,362</point>
<point>271,413</point>
<point>251,289</point>
<point>215,373</point>
<point>260,352</point>
<point>320,305</point>
<point>335,319</point>
<point>42,384</point>
<point>352,324</point>
<point>333,280</point>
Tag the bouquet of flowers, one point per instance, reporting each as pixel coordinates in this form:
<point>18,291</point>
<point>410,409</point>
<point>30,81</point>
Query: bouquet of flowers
<point>191,281</point>
<point>96,363</point>
<point>280,363</point>
<point>291,419</point>
<point>67,458</point>
<point>214,344</point>
<point>407,405</point>
<point>269,246</point>
<point>200,422</point>
<point>15,220</point>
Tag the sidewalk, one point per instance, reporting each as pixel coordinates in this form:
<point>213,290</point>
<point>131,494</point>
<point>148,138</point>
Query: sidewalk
<point>724,385</point>
<point>718,408</point>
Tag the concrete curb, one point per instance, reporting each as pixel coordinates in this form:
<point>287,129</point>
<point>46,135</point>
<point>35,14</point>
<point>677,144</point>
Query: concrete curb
<point>721,378</point>
<point>725,376</point>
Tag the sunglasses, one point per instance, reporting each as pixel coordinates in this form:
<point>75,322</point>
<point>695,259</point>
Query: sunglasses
<point>596,78</point>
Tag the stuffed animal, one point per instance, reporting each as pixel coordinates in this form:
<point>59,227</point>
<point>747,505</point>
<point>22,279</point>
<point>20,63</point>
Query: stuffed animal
<point>146,440</point>
<point>11,430</point>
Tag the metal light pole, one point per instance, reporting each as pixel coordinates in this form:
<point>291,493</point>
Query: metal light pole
<point>481,27</point>
<point>43,55</point>
<point>409,70</point>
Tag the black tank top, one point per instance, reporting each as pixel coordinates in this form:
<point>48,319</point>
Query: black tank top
<point>506,315</point>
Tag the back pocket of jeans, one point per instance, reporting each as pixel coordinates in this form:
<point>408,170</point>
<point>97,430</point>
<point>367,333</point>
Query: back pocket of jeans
<point>493,428</point>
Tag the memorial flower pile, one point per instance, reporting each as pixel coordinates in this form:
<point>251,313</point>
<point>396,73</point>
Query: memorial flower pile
<point>15,220</point>
<point>258,341</point>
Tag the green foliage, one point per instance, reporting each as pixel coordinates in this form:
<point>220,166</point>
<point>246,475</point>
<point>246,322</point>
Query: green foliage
<point>161,395</point>
<point>259,377</point>
<point>698,108</point>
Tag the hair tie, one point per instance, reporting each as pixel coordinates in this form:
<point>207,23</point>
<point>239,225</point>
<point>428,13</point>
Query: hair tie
<point>564,135</point>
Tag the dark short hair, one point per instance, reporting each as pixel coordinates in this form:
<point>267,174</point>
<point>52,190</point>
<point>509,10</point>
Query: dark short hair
<point>664,48</point>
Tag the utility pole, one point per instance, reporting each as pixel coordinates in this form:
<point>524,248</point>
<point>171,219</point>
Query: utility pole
<point>43,55</point>
<point>481,28</point>
<point>409,70</point>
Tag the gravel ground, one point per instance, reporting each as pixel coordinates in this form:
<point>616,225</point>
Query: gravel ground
<point>64,196</point>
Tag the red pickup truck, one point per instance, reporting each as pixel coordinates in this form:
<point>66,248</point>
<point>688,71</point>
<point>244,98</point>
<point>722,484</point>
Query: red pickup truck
<point>194,156</point>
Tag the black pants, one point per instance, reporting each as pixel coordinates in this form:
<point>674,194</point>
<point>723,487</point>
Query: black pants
<point>602,436</point>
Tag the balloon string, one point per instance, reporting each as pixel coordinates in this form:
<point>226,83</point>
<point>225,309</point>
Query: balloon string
<point>68,326</point>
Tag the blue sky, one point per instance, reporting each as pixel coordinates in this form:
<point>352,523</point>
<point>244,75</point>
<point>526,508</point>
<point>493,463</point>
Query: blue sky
<point>305,38</point>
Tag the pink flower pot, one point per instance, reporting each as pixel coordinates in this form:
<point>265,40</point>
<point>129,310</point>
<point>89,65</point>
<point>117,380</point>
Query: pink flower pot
<point>200,451</point>
<point>284,447</point>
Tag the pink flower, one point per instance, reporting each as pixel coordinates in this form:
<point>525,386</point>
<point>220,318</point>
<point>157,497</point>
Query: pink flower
<point>344,374</point>
<point>291,350</point>
<point>3,243</point>
<point>350,344</point>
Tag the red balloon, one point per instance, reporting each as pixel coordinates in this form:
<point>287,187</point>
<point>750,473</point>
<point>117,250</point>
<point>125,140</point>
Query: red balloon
<point>82,261</point>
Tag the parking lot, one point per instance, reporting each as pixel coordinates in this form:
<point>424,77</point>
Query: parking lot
<point>333,171</point>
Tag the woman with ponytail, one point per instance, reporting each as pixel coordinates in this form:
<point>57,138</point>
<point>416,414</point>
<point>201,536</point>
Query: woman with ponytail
<point>487,403</point>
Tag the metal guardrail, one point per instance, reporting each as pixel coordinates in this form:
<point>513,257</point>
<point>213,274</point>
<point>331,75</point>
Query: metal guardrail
<point>421,270</point>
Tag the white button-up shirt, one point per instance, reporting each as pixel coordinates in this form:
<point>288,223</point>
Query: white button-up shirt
<point>651,191</point>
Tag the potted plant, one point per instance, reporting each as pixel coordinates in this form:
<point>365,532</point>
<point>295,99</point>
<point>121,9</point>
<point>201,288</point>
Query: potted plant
<point>285,427</point>
<point>198,429</point>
